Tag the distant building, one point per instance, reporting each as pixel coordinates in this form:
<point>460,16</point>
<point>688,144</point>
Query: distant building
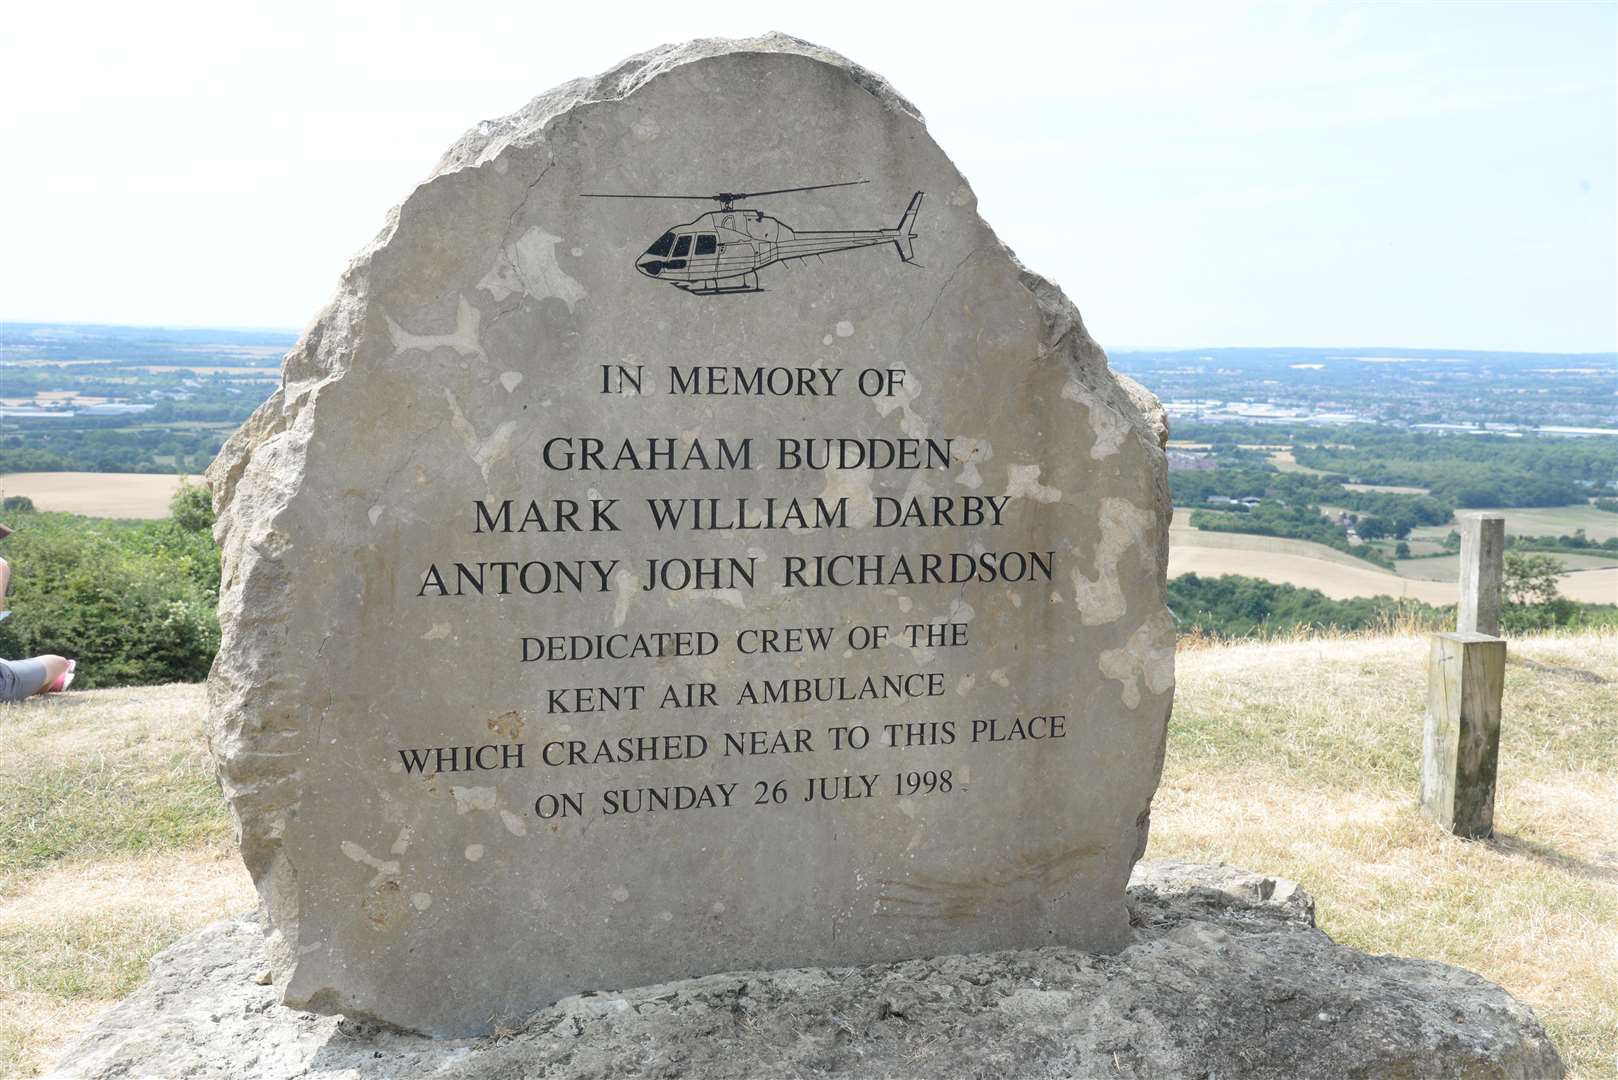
<point>1575,432</point>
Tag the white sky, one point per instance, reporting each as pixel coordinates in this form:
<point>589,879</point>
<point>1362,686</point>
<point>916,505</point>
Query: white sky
<point>1192,174</point>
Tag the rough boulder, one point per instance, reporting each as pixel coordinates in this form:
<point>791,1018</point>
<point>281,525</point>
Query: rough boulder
<point>1227,977</point>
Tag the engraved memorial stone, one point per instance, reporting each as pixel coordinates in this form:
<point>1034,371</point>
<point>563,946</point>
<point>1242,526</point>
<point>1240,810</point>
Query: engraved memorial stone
<point>688,541</point>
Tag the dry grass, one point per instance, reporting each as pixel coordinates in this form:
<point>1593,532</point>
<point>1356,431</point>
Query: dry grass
<point>113,843</point>
<point>75,939</point>
<point>103,774</point>
<point>1297,757</point>
<point>1302,759</point>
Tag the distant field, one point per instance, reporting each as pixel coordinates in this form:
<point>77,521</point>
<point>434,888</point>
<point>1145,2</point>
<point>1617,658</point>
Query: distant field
<point>1338,581</point>
<point>1285,462</point>
<point>1591,586</point>
<point>1181,534</point>
<point>1290,562</point>
<point>1541,521</point>
<point>1391,489</point>
<point>116,495</point>
<point>1593,579</point>
<point>1446,567</point>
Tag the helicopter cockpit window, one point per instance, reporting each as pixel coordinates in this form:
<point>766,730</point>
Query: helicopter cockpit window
<point>682,246</point>
<point>662,246</point>
<point>707,244</point>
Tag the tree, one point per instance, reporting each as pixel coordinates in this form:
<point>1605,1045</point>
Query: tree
<point>1371,527</point>
<point>1531,579</point>
<point>1532,602</point>
<point>192,508</point>
<point>1401,550</point>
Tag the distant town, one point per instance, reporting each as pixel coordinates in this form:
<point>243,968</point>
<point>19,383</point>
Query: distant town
<point>1419,390</point>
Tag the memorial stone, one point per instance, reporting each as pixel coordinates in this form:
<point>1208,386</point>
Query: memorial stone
<point>688,541</point>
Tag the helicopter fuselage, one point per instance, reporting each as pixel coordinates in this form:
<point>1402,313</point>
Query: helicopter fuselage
<point>723,250</point>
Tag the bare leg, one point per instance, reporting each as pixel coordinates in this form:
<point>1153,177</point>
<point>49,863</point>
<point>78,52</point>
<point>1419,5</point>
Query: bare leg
<point>55,666</point>
<point>5,582</point>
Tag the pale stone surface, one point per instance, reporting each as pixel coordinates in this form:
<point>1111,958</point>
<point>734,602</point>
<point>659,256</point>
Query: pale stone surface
<point>1226,977</point>
<point>473,332</point>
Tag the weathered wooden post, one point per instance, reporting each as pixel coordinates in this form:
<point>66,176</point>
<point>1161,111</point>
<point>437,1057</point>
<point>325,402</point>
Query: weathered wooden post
<point>1483,550</point>
<point>1465,676</point>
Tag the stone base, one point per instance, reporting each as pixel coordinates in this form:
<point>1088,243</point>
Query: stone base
<point>1227,977</point>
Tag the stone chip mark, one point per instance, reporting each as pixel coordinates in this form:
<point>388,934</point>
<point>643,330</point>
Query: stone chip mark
<point>385,868</point>
<point>1110,426</point>
<point>468,799</point>
<point>529,266</point>
<point>483,452</point>
<point>507,724</point>
<point>464,338</point>
<point>1022,482</point>
<point>1148,655</point>
<point>1124,527</point>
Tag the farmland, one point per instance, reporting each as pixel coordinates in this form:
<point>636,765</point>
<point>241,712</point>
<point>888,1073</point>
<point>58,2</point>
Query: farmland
<point>114,495</point>
<point>95,399</point>
<point>1594,578</point>
<point>1544,521</point>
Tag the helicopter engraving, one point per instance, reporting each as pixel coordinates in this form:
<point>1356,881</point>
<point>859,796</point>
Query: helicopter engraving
<point>722,251</point>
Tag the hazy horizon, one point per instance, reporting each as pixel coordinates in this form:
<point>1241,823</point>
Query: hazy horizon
<point>1129,347</point>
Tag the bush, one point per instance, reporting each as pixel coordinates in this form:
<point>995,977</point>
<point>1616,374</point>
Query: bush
<point>134,603</point>
<point>1235,606</point>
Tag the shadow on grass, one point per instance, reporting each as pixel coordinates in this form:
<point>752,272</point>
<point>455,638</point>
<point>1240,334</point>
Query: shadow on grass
<point>1576,674</point>
<point>1507,844</point>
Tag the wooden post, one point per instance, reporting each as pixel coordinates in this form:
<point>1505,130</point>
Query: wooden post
<point>1461,743</point>
<point>1483,549</point>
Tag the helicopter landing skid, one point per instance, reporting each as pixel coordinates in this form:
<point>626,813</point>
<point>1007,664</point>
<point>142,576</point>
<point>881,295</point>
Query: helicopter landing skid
<point>747,283</point>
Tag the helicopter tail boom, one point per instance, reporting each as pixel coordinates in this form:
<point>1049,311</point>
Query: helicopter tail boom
<point>903,237</point>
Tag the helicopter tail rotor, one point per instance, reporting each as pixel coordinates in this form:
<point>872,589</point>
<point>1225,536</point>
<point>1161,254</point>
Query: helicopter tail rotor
<point>903,237</point>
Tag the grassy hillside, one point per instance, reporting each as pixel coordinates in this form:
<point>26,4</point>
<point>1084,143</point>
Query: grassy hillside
<point>1298,759</point>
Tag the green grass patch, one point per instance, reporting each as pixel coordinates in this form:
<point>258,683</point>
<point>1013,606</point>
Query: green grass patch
<point>110,804</point>
<point>76,958</point>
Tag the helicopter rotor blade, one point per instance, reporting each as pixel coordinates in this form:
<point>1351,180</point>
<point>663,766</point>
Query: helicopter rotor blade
<point>726,197</point>
<point>785,190</point>
<point>598,195</point>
